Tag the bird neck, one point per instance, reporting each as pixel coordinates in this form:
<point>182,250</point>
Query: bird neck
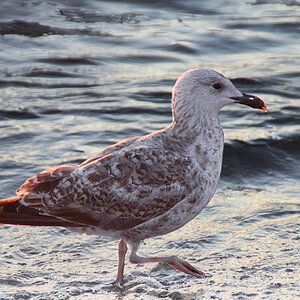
<point>196,125</point>
<point>202,136</point>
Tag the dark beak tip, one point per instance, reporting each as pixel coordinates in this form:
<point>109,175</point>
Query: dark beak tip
<point>252,101</point>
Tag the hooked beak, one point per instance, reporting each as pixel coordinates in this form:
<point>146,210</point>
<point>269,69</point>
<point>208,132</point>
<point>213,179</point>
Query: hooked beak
<point>251,101</point>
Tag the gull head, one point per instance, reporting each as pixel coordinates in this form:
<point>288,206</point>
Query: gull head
<point>204,90</point>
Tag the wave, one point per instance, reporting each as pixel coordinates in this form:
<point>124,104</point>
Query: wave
<point>262,157</point>
<point>35,29</point>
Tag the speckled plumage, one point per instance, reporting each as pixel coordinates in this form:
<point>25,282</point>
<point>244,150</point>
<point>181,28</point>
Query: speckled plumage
<point>144,186</point>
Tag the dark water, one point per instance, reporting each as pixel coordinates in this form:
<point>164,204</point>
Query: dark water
<point>77,76</point>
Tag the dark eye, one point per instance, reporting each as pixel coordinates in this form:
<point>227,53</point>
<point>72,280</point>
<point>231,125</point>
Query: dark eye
<point>217,86</point>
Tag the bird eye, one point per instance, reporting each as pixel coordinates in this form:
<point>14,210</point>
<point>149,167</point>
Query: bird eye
<point>217,86</point>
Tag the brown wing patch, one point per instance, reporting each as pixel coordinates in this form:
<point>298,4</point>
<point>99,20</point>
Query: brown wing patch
<point>113,192</point>
<point>45,181</point>
<point>134,184</point>
<point>99,220</point>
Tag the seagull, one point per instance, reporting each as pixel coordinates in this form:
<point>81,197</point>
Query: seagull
<point>144,186</point>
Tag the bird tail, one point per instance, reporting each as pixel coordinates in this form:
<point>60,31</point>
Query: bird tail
<point>3,204</point>
<point>13,212</point>
<point>27,207</point>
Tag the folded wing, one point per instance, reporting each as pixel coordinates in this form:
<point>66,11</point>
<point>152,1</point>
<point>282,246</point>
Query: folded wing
<point>114,192</point>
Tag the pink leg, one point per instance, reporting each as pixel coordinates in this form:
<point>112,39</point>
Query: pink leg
<point>122,253</point>
<point>173,261</point>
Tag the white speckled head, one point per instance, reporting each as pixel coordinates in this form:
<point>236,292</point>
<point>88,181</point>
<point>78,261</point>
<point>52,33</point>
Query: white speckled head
<point>202,90</point>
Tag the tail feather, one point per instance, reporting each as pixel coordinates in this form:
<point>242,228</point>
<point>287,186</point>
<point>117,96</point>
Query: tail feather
<point>6,202</point>
<point>9,200</point>
<point>30,210</point>
<point>14,213</point>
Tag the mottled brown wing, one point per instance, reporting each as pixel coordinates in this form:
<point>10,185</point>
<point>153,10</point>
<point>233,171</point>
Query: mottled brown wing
<point>129,187</point>
<point>116,191</point>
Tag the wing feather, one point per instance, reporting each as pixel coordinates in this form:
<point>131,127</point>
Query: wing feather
<point>139,183</point>
<point>112,191</point>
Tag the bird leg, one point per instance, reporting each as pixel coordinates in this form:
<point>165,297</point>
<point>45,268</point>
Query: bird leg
<point>173,261</point>
<point>122,252</point>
